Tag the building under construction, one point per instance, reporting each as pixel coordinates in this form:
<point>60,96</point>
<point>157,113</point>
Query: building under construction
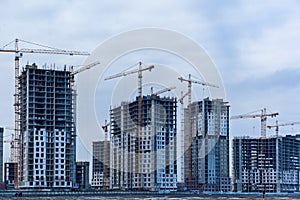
<point>47,129</point>
<point>83,175</point>
<point>101,165</point>
<point>206,146</point>
<point>266,164</point>
<point>144,157</point>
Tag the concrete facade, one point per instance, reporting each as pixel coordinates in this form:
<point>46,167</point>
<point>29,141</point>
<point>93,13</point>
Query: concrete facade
<point>266,164</point>
<point>146,161</point>
<point>47,129</point>
<point>206,156</point>
<point>83,175</point>
<point>9,175</point>
<point>101,165</point>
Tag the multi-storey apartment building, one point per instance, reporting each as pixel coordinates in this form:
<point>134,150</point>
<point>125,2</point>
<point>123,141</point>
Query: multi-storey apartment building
<point>47,129</point>
<point>143,149</point>
<point>206,137</point>
<point>266,164</point>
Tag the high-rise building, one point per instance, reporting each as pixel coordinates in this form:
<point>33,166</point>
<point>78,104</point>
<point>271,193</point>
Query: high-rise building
<point>144,157</point>
<point>82,175</point>
<point>47,129</point>
<point>266,164</point>
<point>206,156</point>
<point>101,165</point>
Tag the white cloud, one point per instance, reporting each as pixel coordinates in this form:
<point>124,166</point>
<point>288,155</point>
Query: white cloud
<point>277,48</point>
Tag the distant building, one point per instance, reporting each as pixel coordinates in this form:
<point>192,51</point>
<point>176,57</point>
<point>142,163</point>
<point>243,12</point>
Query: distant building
<point>47,129</point>
<point>144,157</point>
<point>266,164</point>
<point>206,146</point>
<point>101,165</point>
<point>1,154</point>
<point>82,175</point>
<point>10,169</point>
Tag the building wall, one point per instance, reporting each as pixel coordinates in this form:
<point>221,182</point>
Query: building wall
<point>82,175</point>
<point>208,168</point>
<point>149,163</point>
<point>101,165</point>
<point>9,175</point>
<point>47,129</point>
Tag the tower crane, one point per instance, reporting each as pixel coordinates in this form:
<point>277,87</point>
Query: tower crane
<point>139,71</point>
<point>190,81</point>
<point>263,119</point>
<point>276,126</point>
<point>106,154</point>
<point>140,75</point>
<point>189,94</point>
<point>162,91</point>
<point>11,142</point>
<point>18,54</point>
<point>182,97</point>
<point>105,129</point>
<point>82,69</point>
<point>86,67</point>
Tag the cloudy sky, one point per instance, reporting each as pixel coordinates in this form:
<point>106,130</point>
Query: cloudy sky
<point>254,44</point>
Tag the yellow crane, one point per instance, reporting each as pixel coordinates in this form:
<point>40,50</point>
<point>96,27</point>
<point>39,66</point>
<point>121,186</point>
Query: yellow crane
<point>276,126</point>
<point>18,54</point>
<point>139,71</point>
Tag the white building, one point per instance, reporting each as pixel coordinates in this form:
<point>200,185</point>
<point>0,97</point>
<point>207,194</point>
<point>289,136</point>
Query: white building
<point>144,157</point>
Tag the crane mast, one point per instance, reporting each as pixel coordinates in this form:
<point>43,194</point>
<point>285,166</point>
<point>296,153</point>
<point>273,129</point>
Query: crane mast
<point>106,154</point>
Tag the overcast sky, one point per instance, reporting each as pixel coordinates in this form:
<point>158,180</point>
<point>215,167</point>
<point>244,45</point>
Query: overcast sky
<point>254,44</point>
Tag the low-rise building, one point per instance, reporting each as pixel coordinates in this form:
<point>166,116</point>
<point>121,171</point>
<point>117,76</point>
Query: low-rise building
<point>82,175</point>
